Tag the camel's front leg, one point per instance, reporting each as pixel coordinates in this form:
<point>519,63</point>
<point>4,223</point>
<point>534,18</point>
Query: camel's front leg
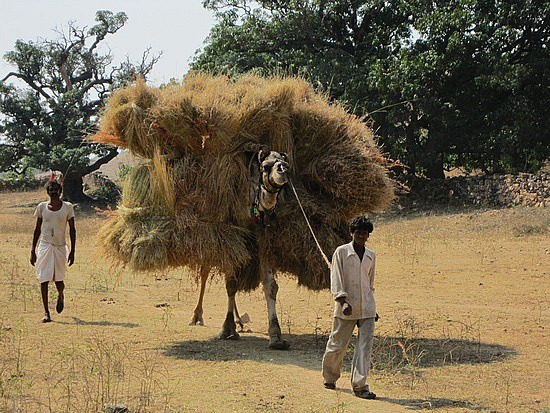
<point>229,328</point>
<point>197,314</point>
<point>270,290</point>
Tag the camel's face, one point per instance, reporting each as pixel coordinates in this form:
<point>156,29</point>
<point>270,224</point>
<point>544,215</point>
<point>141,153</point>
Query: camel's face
<point>274,168</point>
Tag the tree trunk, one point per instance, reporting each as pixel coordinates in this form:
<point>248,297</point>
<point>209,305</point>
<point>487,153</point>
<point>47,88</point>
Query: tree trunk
<point>73,188</point>
<point>73,182</point>
<point>434,169</point>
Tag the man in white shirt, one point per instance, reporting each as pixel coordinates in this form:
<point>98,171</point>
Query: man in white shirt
<point>352,286</point>
<point>49,234</point>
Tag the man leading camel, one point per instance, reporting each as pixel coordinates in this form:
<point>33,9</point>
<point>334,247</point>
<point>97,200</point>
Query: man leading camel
<point>352,286</point>
<point>52,218</point>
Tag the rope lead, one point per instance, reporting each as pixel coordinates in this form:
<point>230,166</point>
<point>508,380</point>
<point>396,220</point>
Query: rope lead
<point>308,224</point>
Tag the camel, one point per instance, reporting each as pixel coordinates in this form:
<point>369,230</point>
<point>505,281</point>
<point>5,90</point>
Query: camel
<point>187,205</point>
<point>268,173</point>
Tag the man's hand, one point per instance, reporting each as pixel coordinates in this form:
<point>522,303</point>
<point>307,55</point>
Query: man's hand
<point>346,308</point>
<point>33,258</point>
<point>376,317</point>
<point>70,260</point>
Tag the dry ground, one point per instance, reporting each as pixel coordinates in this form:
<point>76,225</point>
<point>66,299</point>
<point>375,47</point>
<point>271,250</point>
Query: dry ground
<point>463,299</point>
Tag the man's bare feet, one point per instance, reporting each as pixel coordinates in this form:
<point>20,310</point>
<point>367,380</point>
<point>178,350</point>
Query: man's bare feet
<point>60,303</point>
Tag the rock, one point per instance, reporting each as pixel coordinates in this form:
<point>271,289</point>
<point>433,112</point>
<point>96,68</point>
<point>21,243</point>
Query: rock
<point>116,408</point>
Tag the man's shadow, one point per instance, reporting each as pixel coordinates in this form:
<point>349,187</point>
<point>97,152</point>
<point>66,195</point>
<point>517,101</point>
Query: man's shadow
<point>103,323</point>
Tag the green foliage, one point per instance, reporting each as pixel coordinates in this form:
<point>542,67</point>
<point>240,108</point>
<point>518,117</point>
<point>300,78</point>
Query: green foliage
<point>105,190</point>
<point>64,81</point>
<point>11,181</point>
<point>124,170</point>
<point>455,83</point>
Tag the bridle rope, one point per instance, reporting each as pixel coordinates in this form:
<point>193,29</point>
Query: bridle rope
<point>308,224</point>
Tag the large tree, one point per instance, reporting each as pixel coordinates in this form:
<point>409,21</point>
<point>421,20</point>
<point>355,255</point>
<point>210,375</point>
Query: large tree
<point>448,83</point>
<point>54,97</point>
<point>473,80</point>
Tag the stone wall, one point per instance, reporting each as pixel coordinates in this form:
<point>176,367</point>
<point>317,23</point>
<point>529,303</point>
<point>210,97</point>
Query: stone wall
<point>531,190</point>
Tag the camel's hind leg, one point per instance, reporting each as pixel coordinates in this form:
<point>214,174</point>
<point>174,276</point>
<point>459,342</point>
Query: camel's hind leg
<point>229,328</point>
<point>197,313</point>
<point>270,291</point>
<point>237,316</point>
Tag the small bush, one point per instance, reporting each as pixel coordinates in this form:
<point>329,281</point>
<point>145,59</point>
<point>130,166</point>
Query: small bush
<point>11,181</point>
<point>123,171</point>
<point>104,189</point>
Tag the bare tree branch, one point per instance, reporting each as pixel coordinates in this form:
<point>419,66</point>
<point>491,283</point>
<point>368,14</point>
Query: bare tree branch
<point>28,81</point>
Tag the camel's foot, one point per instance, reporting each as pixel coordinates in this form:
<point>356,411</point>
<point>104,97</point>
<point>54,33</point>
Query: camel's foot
<point>229,335</point>
<point>196,321</point>
<point>229,329</point>
<point>279,344</point>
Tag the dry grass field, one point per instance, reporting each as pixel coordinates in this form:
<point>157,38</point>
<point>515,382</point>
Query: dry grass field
<point>463,299</point>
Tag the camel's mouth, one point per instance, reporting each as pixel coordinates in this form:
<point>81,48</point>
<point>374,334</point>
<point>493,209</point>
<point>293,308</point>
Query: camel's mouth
<point>279,173</point>
<point>281,167</point>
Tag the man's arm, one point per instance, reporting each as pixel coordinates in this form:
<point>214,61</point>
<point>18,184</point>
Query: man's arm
<point>337,283</point>
<point>72,235</point>
<point>35,238</point>
<point>346,307</point>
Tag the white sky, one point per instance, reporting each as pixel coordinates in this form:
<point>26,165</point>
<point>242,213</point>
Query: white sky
<point>175,27</point>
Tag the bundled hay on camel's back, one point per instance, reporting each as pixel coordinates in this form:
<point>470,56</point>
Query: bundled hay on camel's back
<point>189,204</point>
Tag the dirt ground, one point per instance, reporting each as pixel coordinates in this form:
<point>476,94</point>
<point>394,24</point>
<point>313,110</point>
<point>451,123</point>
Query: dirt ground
<point>463,299</point>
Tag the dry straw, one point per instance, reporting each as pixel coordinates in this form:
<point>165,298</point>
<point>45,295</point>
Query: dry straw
<point>188,204</point>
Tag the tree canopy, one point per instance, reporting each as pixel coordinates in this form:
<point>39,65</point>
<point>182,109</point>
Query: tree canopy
<point>453,83</point>
<point>52,105</point>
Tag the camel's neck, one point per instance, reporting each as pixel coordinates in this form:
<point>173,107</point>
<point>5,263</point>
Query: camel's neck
<point>267,199</point>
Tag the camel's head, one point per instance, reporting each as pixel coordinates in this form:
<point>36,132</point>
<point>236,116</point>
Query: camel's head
<point>274,168</point>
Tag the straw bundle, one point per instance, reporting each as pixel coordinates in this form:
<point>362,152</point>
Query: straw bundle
<point>189,204</point>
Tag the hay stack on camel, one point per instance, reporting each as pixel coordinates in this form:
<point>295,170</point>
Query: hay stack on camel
<point>208,143</point>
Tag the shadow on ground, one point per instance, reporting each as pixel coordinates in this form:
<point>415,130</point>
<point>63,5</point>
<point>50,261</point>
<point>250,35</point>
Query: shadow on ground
<point>306,350</point>
<point>103,323</point>
<point>433,403</point>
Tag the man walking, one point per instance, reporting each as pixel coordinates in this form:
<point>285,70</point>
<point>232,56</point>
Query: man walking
<point>52,218</point>
<point>352,286</point>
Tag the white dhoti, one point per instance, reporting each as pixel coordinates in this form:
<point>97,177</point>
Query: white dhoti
<point>51,262</point>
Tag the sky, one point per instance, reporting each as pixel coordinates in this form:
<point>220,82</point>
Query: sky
<point>177,28</point>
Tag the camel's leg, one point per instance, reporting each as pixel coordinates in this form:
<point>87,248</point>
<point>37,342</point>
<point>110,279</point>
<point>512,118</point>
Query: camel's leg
<point>270,290</point>
<point>197,314</point>
<point>229,328</point>
<point>237,316</point>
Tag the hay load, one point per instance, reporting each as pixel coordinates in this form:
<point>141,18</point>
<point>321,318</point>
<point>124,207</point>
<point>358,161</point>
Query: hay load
<point>188,204</point>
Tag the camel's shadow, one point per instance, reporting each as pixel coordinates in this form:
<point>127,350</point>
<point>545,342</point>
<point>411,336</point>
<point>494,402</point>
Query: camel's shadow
<point>392,354</point>
<point>306,350</point>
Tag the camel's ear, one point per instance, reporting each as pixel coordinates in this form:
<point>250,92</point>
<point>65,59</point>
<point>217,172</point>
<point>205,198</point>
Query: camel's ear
<point>264,153</point>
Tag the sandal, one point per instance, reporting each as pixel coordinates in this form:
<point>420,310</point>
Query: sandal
<point>46,318</point>
<point>365,394</point>
<point>60,303</point>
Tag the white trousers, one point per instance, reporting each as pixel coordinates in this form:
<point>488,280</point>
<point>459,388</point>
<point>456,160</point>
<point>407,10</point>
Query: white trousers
<point>336,349</point>
<point>51,262</point>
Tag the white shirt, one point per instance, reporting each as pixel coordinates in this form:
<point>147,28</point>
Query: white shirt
<point>353,278</point>
<point>54,223</point>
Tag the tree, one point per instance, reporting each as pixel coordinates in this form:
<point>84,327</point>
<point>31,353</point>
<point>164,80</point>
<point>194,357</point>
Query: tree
<point>472,79</point>
<point>44,123</point>
<point>447,84</point>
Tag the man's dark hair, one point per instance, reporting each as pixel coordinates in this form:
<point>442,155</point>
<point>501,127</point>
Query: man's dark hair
<point>360,222</point>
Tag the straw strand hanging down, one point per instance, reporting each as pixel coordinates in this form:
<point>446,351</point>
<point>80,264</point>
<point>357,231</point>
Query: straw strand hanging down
<point>188,205</point>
